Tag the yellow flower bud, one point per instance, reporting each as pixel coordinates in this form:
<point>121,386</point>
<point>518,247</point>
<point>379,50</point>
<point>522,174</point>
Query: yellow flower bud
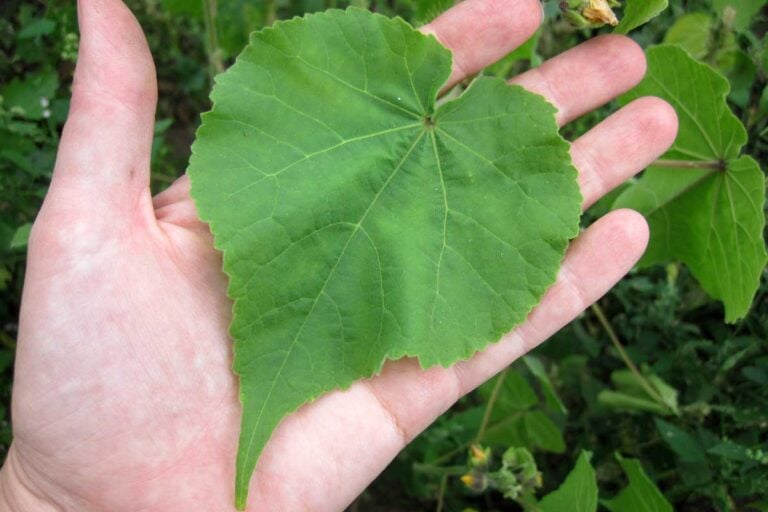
<point>478,455</point>
<point>599,11</point>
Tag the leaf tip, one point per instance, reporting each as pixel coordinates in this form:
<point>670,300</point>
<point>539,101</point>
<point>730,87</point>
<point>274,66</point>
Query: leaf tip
<point>241,495</point>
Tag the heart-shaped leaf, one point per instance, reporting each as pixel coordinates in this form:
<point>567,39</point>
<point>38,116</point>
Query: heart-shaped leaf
<point>710,214</point>
<point>578,493</point>
<point>361,222</point>
<point>641,495</point>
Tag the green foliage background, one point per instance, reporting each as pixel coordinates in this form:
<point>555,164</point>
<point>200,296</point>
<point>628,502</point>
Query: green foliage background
<point>697,422</point>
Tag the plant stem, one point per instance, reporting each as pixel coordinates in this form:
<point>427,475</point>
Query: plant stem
<point>441,494</point>
<point>431,469</point>
<point>491,403</point>
<point>215,64</point>
<point>449,455</point>
<point>690,164</point>
<point>270,12</point>
<point>528,504</point>
<point>647,387</point>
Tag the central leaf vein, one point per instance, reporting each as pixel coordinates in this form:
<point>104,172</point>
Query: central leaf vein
<point>296,338</point>
<point>445,226</point>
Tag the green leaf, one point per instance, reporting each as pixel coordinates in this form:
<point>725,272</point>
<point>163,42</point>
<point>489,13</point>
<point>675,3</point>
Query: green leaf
<point>731,451</point>
<point>756,374</point>
<point>37,28</point>
<point>686,446</point>
<point>234,20</point>
<point>543,433</point>
<point>624,401</point>
<point>705,40</point>
<point>515,393</point>
<point>507,430</point>
<point>762,56</point>
<point>667,393</point>
<point>711,218</point>
<point>578,493</point>
<point>32,95</point>
<point>741,71</point>
<point>532,429</point>
<point>425,11</point>
<point>184,7</point>
<point>21,237</point>
<point>5,277</point>
<point>639,12</point>
<point>744,10</point>
<point>763,105</point>
<point>512,422</point>
<point>536,367</point>
<point>631,395</point>
<point>641,495</point>
<point>693,32</point>
<point>360,222</point>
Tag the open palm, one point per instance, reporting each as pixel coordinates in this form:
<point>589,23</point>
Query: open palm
<point>124,399</point>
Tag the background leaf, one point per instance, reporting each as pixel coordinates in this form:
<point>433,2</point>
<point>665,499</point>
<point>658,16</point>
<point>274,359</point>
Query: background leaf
<point>630,395</point>
<point>578,493</point>
<point>31,95</point>
<point>745,10</point>
<point>641,495</point>
<point>693,32</point>
<point>710,218</point>
<point>627,402</point>
<point>682,443</point>
<point>707,40</point>
<point>536,367</point>
<point>639,12</point>
<point>543,433</point>
<point>514,422</point>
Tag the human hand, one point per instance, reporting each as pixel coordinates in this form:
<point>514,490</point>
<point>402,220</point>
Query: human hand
<point>124,398</point>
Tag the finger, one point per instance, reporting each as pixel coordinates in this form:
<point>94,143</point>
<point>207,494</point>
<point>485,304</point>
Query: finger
<point>174,206</point>
<point>412,398</point>
<point>622,145</point>
<point>106,143</point>
<point>480,32</point>
<point>587,76</point>
<point>178,191</point>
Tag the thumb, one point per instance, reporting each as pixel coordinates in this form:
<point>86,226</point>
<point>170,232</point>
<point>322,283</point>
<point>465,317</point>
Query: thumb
<point>102,168</point>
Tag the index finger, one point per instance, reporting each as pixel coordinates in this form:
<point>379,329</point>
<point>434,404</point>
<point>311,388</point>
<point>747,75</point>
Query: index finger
<point>480,32</point>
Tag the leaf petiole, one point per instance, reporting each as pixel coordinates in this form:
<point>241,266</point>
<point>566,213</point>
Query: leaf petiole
<point>716,165</point>
<point>647,386</point>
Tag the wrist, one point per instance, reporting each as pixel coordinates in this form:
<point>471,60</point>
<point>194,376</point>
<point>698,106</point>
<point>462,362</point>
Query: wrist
<point>17,493</point>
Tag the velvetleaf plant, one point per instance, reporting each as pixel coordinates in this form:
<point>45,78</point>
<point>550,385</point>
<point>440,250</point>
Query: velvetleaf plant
<point>704,200</point>
<point>359,221</point>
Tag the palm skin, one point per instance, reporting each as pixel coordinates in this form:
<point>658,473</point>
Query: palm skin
<point>124,399</point>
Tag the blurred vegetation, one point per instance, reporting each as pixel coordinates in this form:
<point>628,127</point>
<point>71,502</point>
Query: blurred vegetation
<point>700,432</point>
